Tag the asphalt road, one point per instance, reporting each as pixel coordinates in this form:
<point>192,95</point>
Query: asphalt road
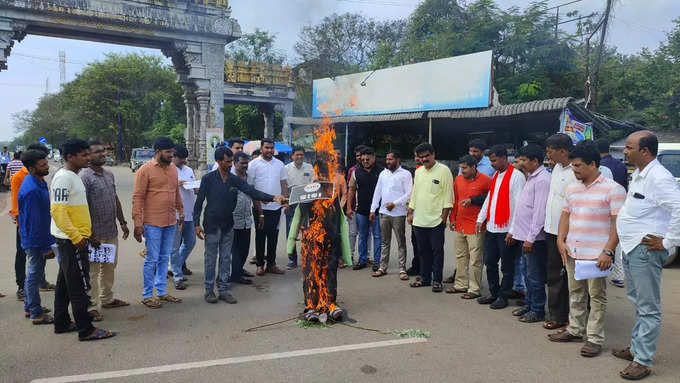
<point>468,343</point>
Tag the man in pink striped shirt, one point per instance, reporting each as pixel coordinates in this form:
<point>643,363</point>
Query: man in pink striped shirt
<point>587,231</point>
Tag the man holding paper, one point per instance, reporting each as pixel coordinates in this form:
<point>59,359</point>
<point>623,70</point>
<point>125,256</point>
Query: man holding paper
<point>185,238</point>
<point>104,205</point>
<point>587,232</point>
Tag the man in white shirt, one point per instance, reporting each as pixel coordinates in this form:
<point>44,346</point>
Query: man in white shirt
<point>299,173</point>
<point>648,226</point>
<point>268,174</point>
<point>236,145</point>
<point>391,194</point>
<point>498,212</point>
<point>185,238</point>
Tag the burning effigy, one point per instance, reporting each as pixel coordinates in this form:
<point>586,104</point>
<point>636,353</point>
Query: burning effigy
<point>322,228</point>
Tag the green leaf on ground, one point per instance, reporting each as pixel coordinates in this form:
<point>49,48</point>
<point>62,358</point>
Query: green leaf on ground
<point>411,333</point>
<point>307,324</point>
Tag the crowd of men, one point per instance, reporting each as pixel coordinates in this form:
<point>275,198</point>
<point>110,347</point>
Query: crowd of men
<point>535,229</point>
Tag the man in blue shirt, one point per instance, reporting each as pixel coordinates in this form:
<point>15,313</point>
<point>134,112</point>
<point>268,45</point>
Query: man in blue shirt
<point>619,170</point>
<point>34,228</point>
<point>476,150</point>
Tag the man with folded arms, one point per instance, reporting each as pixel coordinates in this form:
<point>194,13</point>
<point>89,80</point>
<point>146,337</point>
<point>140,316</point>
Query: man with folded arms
<point>587,231</point>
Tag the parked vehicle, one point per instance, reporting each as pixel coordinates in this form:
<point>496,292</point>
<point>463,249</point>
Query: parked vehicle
<point>109,161</point>
<point>139,157</point>
<point>669,156</point>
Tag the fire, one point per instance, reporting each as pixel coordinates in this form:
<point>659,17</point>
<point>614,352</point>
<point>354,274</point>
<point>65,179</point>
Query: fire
<point>316,243</point>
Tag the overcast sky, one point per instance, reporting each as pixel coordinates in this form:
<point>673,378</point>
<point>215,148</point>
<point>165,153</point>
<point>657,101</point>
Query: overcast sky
<point>34,62</point>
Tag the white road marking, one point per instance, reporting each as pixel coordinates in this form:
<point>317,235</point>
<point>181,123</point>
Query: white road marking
<point>226,361</point>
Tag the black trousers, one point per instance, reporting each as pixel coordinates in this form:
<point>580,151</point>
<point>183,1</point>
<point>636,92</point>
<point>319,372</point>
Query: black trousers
<point>495,250</point>
<point>72,285</point>
<point>558,289</point>
<point>270,235</point>
<point>415,262</point>
<point>431,252</point>
<point>239,253</point>
<point>20,263</point>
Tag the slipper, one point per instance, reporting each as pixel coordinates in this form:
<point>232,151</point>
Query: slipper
<point>169,298</point>
<point>418,283</point>
<point>623,354</point>
<point>379,273</point>
<point>45,310</point>
<point>70,328</point>
<point>437,287</point>
<point>590,350</point>
<point>470,296</point>
<point>98,334</point>
<point>115,303</point>
<point>564,336</point>
<point>403,276</point>
<point>553,325</point>
<point>43,319</point>
<point>95,316</point>
<point>151,302</point>
<point>531,317</point>
<point>453,290</point>
<point>635,371</point>
<point>520,311</point>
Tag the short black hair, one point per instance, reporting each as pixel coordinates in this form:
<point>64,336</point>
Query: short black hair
<point>235,140</point>
<point>40,147</point>
<point>368,150</point>
<point>602,145</point>
<point>587,151</point>
<point>239,155</point>
<point>532,152</point>
<point>394,153</point>
<point>181,151</point>
<point>559,141</point>
<point>17,155</point>
<point>73,146</point>
<point>31,157</point>
<point>358,149</point>
<point>498,150</point>
<point>298,148</point>
<point>267,140</point>
<point>221,152</point>
<point>469,160</point>
<point>478,143</point>
<point>424,147</point>
<point>257,152</point>
<point>95,142</point>
<point>649,142</point>
<point>163,143</point>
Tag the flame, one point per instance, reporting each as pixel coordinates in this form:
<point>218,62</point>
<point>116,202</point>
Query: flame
<point>316,245</point>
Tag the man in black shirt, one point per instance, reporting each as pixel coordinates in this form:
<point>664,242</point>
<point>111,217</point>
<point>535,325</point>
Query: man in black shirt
<point>220,188</point>
<point>362,185</point>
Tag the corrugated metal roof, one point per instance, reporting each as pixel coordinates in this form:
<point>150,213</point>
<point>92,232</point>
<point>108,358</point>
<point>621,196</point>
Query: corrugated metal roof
<point>364,118</point>
<point>552,104</point>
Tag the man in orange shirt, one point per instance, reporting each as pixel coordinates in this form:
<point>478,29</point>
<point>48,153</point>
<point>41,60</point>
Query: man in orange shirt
<point>469,188</point>
<point>20,257</point>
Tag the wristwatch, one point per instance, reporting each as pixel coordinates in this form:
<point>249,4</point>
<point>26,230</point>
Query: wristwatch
<point>608,252</point>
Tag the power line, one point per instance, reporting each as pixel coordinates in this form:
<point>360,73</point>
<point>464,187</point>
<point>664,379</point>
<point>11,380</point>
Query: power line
<point>54,59</point>
<point>379,2</point>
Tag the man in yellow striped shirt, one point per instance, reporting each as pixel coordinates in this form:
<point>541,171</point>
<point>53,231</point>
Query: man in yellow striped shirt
<point>72,228</point>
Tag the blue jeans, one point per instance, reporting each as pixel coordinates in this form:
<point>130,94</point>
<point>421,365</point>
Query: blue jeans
<point>518,284</point>
<point>364,226</point>
<point>159,241</point>
<point>34,276</point>
<point>643,287</point>
<point>218,253</point>
<point>185,240</point>
<point>536,276</point>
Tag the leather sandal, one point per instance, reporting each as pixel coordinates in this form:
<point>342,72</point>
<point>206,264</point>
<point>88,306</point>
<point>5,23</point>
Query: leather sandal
<point>623,354</point>
<point>564,336</point>
<point>379,273</point>
<point>553,325</point>
<point>151,302</point>
<point>453,290</point>
<point>169,298</point>
<point>635,371</point>
<point>469,296</point>
<point>590,350</point>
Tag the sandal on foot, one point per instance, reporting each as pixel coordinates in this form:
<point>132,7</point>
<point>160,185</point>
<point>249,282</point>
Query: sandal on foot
<point>590,350</point>
<point>95,316</point>
<point>115,303</point>
<point>418,283</point>
<point>531,317</point>
<point>98,334</point>
<point>564,336</point>
<point>520,311</point>
<point>43,319</point>
<point>437,287</point>
<point>623,354</point>
<point>403,276</point>
<point>45,310</point>
<point>470,296</point>
<point>453,290</point>
<point>169,298</point>
<point>553,325</point>
<point>151,302</point>
<point>450,279</point>
<point>379,273</point>
<point>70,328</point>
<point>635,371</point>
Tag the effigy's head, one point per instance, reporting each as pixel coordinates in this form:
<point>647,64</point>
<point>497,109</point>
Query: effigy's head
<point>321,166</point>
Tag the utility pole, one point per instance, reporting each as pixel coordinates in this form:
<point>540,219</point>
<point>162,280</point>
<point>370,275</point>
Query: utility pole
<point>62,69</point>
<point>557,13</point>
<point>603,35</point>
<point>120,131</point>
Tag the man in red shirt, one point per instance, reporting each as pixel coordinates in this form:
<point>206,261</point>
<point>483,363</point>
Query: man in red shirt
<point>469,188</point>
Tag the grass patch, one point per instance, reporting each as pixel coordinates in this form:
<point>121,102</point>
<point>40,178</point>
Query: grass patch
<point>307,324</point>
<point>411,333</point>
